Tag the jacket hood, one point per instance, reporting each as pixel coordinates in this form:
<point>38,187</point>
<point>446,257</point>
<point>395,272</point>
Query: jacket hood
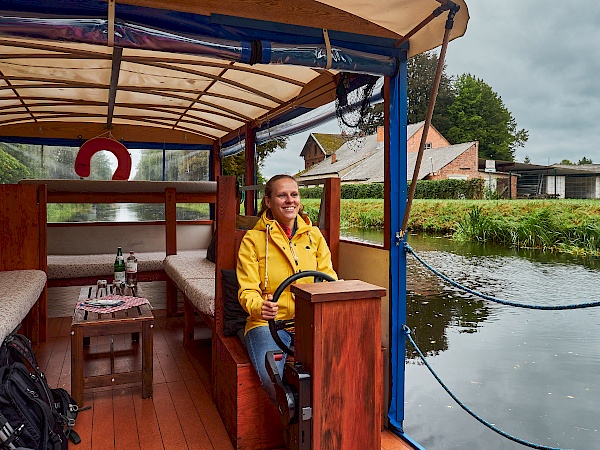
<point>274,231</point>
<point>303,222</point>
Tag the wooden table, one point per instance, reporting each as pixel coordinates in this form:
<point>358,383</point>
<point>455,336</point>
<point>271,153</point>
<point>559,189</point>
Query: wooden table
<point>86,324</point>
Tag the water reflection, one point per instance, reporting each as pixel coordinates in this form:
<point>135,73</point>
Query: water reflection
<point>531,373</point>
<point>122,212</point>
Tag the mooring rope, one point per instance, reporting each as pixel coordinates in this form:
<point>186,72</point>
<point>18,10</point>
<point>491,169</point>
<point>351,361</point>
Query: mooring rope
<point>484,422</point>
<point>494,299</point>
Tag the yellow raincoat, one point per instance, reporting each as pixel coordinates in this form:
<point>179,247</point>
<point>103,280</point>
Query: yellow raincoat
<point>267,257</point>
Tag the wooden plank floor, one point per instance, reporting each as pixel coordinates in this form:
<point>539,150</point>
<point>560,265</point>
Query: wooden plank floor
<point>180,415</point>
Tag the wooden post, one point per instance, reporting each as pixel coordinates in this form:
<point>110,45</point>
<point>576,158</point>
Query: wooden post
<point>331,228</point>
<point>216,161</point>
<point>338,340</point>
<point>250,170</point>
<point>171,245</point>
<point>43,224</point>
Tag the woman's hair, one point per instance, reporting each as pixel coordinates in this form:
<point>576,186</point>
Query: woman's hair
<point>269,192</point>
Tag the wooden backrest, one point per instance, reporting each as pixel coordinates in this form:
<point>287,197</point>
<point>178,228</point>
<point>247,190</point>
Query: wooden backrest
<point>22,227</point>
<point>226,207</point>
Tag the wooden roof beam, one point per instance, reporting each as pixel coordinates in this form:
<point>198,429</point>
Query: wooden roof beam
<point>114,82</point>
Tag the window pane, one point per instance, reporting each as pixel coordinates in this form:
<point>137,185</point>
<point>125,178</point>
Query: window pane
<point>26,161</point>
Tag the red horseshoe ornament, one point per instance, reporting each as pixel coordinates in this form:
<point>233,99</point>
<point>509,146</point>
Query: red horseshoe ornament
<point>94,145</point>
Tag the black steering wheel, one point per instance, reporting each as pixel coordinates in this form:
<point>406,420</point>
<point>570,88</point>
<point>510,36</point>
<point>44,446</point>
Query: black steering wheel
<point>276,325</point>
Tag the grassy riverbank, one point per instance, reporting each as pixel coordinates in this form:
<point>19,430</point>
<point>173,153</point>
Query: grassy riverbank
<point>557,225</point>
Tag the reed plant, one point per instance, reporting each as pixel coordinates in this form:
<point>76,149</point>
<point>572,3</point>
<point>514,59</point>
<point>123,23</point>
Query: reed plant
<point>571,226</point>
<point>67,212</point>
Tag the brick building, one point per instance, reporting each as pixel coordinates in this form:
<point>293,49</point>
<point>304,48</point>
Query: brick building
<point>364,163</point>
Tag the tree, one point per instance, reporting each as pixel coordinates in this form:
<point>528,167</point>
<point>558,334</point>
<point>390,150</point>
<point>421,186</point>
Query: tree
<point>27,155</point>
<point>11,170</point>
<point>478,114</point>
<point>566,162</point>
<point>373,119</point>
<point>150,165</point>
<point>193,165</point>
<point>421,74</point>
<point>235,165</point>
<point>56,162</point>
<point>584,160</point>
<point>527,160</point>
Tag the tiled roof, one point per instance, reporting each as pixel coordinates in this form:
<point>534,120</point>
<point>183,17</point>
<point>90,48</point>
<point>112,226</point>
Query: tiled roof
<point>371,169</point>
<point>332,142</point>
<point>346,156</point>
<point>329,142</point>
<point>365,163</point>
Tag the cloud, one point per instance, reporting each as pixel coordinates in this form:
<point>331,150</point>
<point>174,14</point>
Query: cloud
<point>542,58</point>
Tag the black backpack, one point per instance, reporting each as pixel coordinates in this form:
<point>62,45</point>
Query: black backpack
<point>32,415</point>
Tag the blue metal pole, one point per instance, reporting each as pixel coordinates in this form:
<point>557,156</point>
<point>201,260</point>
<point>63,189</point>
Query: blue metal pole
<point>398,196</point>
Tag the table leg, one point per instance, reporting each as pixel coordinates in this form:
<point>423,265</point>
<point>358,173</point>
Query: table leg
<point>171,298</point>
<point>77,365</point>
<point>147,362</point>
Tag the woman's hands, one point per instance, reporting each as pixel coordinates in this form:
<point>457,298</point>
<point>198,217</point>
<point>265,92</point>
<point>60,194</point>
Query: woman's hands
<point>269,309</point>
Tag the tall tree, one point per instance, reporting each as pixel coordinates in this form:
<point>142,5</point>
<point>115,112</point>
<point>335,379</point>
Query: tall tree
<point>421,73</point>
<point>478,114</point>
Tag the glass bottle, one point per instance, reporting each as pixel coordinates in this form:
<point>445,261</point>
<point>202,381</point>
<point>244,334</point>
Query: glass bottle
<point>119,276</point>
<point>131,268</point>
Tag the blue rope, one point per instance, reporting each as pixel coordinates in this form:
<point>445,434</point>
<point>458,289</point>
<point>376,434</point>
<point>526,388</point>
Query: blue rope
<point>487,424</point>
<point>494,299</point>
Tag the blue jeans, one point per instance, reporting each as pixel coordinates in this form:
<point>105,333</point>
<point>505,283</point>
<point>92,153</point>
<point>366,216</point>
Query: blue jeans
<point>259,341</point>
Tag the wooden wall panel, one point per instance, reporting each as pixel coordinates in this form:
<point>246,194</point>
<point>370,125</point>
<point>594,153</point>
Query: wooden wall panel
<point>19,227</point>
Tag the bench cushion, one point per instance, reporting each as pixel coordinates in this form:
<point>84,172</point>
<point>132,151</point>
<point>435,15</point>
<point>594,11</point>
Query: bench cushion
<point>19,290</point>
<point>80,266</point>
<point>194,275</point>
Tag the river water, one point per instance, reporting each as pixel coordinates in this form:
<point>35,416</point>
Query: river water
<point>531,373</point>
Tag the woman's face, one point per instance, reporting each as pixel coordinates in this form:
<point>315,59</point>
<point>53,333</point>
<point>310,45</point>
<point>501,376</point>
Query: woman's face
<point>284,201</point>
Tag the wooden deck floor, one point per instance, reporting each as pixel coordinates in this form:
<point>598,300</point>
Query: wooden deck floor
<point>180,415</point>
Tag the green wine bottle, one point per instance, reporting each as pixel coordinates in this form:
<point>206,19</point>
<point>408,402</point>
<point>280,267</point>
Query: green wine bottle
<point>119,267</point>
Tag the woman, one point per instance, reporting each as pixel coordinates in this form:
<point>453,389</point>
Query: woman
<point>282,243</point>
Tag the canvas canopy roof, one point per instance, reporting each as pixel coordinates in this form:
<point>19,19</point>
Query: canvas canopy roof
<point>191,72</point>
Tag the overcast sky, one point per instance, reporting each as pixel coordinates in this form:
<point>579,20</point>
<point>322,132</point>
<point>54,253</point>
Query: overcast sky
<point>542,57</point>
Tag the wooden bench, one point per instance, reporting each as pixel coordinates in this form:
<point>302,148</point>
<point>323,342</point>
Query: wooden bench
<point>81,267</point>
<point>23,261</point>
<point>19,294</point>
<point>194,276</point>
